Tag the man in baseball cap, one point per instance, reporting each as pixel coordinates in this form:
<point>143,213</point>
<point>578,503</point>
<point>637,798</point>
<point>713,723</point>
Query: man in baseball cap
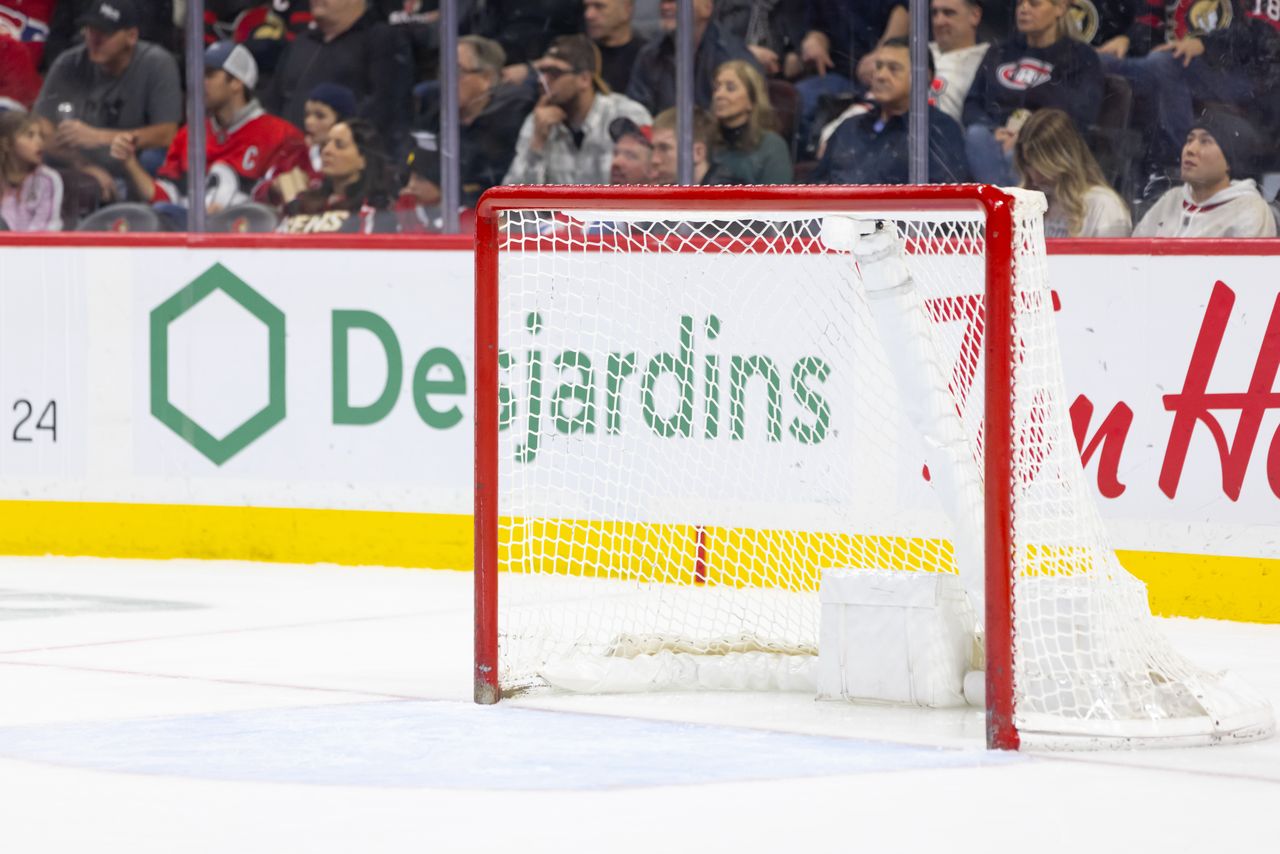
<point>632,152</point>
<point>566,140</point>
<point>113,82</point>
<point>235,60</point>
<point>111,16</point>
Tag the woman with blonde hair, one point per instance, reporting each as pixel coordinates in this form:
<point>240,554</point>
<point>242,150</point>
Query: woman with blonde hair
<point>1050,156</point>
<point>746,145</point>
<point>1039,67</point>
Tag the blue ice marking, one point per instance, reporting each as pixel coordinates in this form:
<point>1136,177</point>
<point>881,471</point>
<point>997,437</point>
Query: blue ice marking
<point>448,745</point>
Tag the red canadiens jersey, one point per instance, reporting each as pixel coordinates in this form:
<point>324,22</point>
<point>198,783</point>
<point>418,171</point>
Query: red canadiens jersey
<point>27,21</point>
<point>246,147</point>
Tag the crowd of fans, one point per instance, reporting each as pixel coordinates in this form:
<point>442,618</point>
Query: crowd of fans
<point>1144,117</point>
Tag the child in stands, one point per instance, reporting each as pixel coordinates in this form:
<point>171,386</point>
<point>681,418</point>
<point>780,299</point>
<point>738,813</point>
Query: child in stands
<point>30,192</point>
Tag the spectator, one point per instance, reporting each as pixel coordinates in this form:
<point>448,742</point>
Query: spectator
<point>705,170</point>
<point>30,192</point>
<point>1040,67</point>
<point>112,83</point>
<point>418,209</point>
<point>354,196</point>
<point>653,79</point>
<point>1211,203</point>
<point>632,152</point>
<point>666,155</point>
<point>872,148</point>
<point>66,23</point>
<point>956,51</point>
<point>1051,156</point>
<point>490,113</point>
<point>241,139</point>
<point>1174,56</point>
<point>296,164</point>
<point>566,138</point>
<point>348,45</point>
<point>770,29</point>
<point>836,51</point>
<point>608,24</point>
<point>746,147</point>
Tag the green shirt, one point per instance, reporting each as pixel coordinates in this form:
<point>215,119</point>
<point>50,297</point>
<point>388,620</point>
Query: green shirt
<point>768,163</point>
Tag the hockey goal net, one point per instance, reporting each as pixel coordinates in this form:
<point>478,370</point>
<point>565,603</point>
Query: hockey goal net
<point>688,407</point>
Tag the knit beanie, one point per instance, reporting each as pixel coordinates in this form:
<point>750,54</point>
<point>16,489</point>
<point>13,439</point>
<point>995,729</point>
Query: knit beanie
<point>1235,136</point>
<point>339,98</point>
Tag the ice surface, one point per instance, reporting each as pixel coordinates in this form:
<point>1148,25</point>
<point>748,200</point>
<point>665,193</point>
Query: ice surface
<point>212,706</point>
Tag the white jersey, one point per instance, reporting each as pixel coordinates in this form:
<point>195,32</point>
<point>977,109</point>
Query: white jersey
<point>954,72</point>
<point>1237,211</point>
<point>1105,215</point>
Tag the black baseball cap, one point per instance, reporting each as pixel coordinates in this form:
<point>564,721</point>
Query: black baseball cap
<point>111,15</point>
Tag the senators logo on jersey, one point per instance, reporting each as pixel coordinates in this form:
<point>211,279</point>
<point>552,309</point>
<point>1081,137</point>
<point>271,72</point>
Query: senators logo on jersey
<point>1026,73</point>
<point>1200,17</point>
<point>1082,20</point>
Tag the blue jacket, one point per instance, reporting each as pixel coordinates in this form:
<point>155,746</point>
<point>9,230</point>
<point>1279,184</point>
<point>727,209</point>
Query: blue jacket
<point>868,150</point>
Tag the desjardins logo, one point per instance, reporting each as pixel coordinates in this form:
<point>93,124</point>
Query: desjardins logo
<point>217,278</point>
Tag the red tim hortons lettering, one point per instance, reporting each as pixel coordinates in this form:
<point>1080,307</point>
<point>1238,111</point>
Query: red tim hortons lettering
<point>1110,438</point>
<point>1195,404</point>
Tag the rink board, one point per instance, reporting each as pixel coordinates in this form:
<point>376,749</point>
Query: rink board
<point>294,445</point>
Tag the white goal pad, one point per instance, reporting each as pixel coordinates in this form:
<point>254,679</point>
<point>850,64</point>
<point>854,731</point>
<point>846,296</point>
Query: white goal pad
<point>896,637</point>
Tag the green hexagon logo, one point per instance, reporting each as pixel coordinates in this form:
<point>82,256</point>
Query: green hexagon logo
<point>217,278</point>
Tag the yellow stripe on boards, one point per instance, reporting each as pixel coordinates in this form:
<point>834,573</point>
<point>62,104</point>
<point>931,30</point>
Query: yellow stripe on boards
<point>351,537</point>
<point>733,557</point>
<point>1228,588</point>
<point>1246,589</point>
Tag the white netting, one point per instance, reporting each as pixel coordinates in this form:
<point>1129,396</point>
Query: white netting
<point>699,415</point>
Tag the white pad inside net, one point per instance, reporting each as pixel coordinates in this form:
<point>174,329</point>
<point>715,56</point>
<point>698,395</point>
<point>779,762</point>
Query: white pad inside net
<point>701,412</point>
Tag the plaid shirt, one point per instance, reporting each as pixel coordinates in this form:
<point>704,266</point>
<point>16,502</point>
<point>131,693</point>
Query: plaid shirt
<point>560,161</point>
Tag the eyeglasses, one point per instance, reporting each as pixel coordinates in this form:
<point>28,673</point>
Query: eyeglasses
<point>552,74</point>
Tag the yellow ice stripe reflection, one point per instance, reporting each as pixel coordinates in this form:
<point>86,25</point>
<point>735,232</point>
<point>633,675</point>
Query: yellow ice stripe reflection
<point>686,554</point>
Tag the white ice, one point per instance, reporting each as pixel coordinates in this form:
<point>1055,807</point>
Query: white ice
<point>183,706</point>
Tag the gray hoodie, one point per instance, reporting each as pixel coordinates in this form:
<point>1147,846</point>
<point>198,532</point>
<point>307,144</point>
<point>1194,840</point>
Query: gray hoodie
<point>1236,211</point>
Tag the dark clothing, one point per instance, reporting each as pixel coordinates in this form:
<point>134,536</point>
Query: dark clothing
<point>1066,75</point>
<point>775,24</point>
<point>372,59</point>
<point>869,149</point>
<point>653,79</point>
<point>1099,21</point>
<point>1244,46</point>
<point>488,144</point>
<point>853,26</point>
<point>616,62</point>
<point>524,28</point>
